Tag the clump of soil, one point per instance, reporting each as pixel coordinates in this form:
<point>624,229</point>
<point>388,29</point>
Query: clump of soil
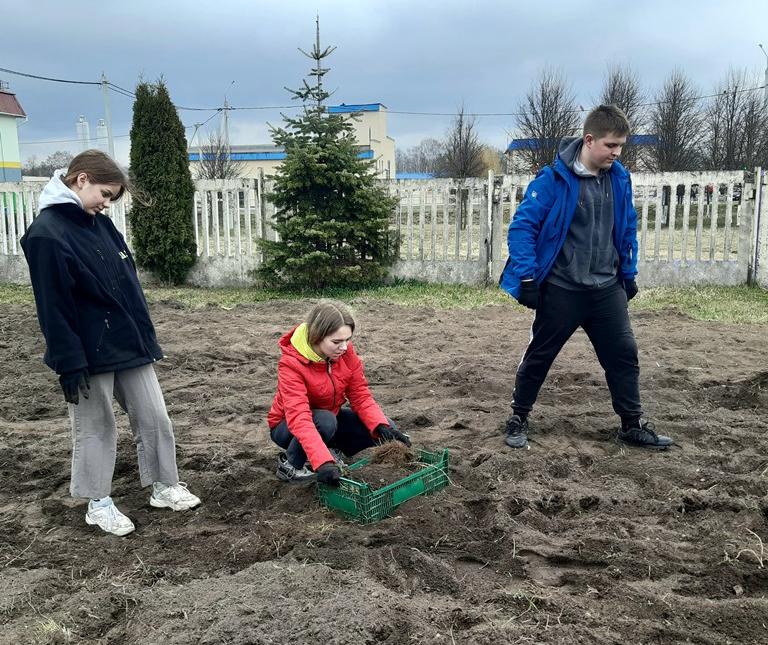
<point>388,463</point>
<point>392,452</point>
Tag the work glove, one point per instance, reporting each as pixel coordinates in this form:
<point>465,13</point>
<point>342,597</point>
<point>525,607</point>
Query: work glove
<point>329,473</point>
<point>630,286</point>
<point>529,294</point>
<point>74,383</point>
<point>388,433</point>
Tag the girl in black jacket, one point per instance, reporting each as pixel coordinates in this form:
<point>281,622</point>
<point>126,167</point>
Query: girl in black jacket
<point>99,338</point>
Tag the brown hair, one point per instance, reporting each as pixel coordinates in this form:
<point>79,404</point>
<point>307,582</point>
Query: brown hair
<point>325,318</point>
<point>100,168</point>
<point>605,120</point>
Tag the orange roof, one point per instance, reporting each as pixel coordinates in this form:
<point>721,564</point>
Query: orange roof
<point>10,105</point>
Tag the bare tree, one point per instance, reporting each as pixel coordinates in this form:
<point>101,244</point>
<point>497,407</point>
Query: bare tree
<point>548,114</point>
<point>734,120</point>
<point>54,161</point>
<point>216,159</point>
<point>621,87</point>
<point>462,150</point>
<point>755,144</point>
<point>426,156</point>
<point>677,123</point>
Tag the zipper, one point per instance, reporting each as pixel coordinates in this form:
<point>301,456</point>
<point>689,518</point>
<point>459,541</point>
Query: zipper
<point>103,332</point>
<point>333,383</point>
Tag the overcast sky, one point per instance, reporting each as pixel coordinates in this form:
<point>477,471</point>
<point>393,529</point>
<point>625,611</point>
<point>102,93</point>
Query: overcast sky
<point>427,56</point>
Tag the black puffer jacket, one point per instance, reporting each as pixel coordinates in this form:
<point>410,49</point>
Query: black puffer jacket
<point>90,305</point>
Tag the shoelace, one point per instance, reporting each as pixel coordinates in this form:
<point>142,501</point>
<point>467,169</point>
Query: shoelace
<point>650,428</point>
<point>113,515</point>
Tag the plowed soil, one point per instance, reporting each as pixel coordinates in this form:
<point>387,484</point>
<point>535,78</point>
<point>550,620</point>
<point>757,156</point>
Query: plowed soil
<point>575,540</point>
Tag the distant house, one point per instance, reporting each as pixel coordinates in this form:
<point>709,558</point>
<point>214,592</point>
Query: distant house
<point>515,161</point>
<point>10,156</point>
<point>370,128</point>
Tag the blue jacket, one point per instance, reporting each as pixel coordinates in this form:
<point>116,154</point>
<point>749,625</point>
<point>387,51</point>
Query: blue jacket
<point>90,305</point>
<point>540,224</point>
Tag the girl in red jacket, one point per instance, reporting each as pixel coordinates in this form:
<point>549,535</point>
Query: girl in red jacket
<point>319,372</point>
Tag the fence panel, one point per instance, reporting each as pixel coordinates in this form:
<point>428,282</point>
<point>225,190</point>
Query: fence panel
<point>693,227</point>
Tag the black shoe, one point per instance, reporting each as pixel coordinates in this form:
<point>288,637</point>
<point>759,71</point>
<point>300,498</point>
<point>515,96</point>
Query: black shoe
<point>643,435</point>
<point>517,432</point>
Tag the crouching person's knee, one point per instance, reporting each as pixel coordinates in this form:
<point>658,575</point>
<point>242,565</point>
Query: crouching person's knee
<point>325,422</point>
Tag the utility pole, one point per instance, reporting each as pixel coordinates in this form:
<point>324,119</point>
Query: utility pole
<point>107,114</point>
<point>765,78</point>
<point>226,125</point>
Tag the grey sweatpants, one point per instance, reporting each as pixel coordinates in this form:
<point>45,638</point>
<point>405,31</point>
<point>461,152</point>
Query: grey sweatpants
<point>94,434</point>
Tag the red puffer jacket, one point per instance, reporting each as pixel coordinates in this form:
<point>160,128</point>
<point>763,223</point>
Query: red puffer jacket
<point>304,385</point>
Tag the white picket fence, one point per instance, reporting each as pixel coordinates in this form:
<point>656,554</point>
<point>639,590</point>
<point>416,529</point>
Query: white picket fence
<point>453,231</point>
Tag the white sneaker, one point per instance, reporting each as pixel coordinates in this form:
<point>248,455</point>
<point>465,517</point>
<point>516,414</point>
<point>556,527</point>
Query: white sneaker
<point>108,518</point>
<point>176,497</point>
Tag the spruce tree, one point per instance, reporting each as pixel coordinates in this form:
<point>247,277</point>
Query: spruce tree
<point>331,216</point>
<point>162,228</point>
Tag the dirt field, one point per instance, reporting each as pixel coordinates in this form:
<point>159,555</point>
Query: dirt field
<point>576,540</point>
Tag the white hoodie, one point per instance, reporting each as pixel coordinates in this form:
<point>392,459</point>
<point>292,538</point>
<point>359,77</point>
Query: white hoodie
<point>57,192</point>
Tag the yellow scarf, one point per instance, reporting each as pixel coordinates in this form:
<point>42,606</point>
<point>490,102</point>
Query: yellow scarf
<point>300,341</point>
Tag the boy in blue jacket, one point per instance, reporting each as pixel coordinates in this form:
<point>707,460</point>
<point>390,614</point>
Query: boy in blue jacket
<point>573,259</point>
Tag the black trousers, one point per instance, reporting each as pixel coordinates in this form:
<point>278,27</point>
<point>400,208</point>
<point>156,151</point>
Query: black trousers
<point>344,432</point>
<point>603,315</point>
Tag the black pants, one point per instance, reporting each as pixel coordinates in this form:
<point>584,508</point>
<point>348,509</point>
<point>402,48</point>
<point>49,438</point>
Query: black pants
<point>344,432</point>
<point>603,315</point>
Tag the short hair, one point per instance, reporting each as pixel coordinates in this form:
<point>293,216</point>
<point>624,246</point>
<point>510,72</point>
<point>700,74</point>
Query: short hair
<point>100,168</point>
<point>605,120</point>
<point>325,318</point>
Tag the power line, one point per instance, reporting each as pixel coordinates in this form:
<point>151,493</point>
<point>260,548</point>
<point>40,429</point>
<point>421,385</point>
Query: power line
<point>129,94</point>
<point>48,78</point>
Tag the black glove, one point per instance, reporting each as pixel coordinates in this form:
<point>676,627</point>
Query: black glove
<point>329,473</point>
<point>529,294</point>
<point>72,383</point>
<point>630,286</point>
<point>388,433</point>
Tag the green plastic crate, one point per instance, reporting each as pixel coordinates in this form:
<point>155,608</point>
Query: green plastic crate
<point>358,501</point>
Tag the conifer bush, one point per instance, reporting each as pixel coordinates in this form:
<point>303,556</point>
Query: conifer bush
<point>332,217</point>
<point>161,219</point>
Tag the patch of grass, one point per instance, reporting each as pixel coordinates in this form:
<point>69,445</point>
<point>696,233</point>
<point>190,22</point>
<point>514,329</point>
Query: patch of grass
<point>740,305</point>
<point>14,294</point>
<point>444,296</point>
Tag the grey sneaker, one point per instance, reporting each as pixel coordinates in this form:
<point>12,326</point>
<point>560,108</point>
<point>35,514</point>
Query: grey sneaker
<point>289,473</point>
<point>516,432</point>
<point>643,435</point>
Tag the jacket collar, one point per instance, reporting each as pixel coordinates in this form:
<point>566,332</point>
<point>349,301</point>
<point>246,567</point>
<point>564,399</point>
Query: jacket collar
<point>75,213</point>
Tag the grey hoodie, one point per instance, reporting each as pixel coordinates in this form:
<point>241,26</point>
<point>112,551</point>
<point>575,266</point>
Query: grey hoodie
<point>588,259</point>
<point>57,192</point>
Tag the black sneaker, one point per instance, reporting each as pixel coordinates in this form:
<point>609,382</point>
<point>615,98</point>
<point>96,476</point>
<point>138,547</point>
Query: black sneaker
<point>517,432</point>
<point>643,435</point>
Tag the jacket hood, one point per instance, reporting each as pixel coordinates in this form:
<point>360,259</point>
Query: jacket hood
<point>300,341</point>
<point>569,151</point>
<point>57,192</point>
